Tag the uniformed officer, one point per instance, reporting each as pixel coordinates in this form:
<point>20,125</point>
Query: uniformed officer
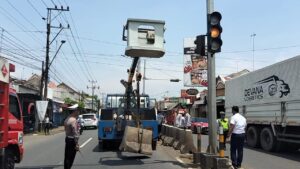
<point>72,136</point>
<point>224,123</point>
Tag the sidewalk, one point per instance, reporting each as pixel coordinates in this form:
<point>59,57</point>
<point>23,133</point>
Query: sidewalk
<point>185,159</point>
<point>53,131</point>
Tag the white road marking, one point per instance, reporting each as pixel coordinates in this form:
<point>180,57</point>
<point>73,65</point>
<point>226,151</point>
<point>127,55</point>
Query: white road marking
<point>87,141</point>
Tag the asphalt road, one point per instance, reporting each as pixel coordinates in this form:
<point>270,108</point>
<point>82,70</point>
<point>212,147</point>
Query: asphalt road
<point>259,159</point>
<point>47,152</point>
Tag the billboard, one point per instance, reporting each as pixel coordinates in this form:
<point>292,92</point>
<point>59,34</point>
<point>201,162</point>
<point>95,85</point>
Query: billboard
<point>195,66</point>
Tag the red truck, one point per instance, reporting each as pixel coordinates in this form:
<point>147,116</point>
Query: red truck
<point>11,120</point>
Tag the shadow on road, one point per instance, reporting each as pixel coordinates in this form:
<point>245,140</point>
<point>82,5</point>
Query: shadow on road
<point>291,155</point>
<point>132,159</point>
<point>39,167</point>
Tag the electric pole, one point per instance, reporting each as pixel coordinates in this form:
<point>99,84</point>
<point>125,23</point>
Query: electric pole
<point>93,87</point>
<point>144,77</point>
<point>48,43</point>
<point>212,111</point>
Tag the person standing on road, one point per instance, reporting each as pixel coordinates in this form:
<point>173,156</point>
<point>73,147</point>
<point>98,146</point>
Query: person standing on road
<point>188,120</point>
<point>224,123</point>
<point>72,136</point>
<point>236,133</point>
<point>46,125</point>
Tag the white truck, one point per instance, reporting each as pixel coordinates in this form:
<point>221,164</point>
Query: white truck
<point>269,98</point>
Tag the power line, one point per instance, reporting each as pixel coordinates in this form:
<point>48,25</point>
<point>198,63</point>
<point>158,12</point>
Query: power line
<point>79,47</point>
<point>18,43</point>
<point>11,43</point>
<point>35,9</point>
<point>22,15</point>
<point>18,24</point>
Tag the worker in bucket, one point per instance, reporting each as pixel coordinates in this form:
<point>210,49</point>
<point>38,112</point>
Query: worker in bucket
<point>72,136</point>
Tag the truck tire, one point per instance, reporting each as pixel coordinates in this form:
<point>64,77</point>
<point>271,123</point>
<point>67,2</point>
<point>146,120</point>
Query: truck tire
<point>101,145</point>
<point>154,144</point>
<point>9,159</point>
<point>267,139</point>
<point>252,137</point>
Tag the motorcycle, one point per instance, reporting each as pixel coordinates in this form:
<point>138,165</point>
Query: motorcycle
<point>80,125</point>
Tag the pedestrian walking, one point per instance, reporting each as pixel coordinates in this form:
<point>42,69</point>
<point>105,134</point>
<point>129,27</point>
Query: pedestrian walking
<point>236,134</point>
<point>72,136</point>
<point>224,123</point>
<point>46,125</point>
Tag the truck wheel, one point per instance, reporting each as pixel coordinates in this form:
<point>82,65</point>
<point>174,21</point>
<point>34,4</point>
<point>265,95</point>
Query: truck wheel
<point>267,139</point>
<point>100,145</point>
<point>252,137</point>
<point>9,160</point>
<point>154,144</point>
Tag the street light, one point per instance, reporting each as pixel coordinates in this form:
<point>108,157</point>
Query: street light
<point>253,36</point>
<point>62,42</point>
<point>171,80</point>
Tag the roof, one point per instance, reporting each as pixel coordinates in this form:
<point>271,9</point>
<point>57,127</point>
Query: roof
<point>68,87</point>
<point>237,74</point>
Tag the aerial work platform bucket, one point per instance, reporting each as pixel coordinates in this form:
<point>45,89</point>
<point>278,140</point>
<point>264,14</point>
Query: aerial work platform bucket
<point>137,140</point>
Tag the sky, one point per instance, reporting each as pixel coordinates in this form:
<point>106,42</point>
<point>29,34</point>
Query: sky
<point>94,49</point>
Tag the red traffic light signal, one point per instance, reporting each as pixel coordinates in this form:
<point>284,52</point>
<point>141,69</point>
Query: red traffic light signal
<point>214,32</point>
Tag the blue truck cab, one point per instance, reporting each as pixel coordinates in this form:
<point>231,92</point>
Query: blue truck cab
<point>112,119</point>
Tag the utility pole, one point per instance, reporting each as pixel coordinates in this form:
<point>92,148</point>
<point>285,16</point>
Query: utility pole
<point>46,77</point>
<point>42,80</point>
<point>212,112</point>
<point>253,36</point>
<point>144,77</point>
<point>93,87</point>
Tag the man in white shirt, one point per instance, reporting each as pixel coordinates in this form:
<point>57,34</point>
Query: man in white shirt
<point>236,132</point>
<point>188,120</point>
<point>178,120</point>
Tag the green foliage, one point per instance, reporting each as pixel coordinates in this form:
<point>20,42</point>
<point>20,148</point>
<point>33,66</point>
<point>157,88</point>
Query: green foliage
<point>69,101</point>
<point>81,105</point>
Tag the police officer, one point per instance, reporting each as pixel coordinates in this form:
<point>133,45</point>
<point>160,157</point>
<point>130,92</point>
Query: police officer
<point>224,123</point>
<point>72,136</point>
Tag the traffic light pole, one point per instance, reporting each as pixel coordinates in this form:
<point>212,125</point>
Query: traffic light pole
<point>212,112</point>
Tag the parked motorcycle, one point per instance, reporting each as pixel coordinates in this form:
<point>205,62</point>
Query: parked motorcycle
<point>80,124</point>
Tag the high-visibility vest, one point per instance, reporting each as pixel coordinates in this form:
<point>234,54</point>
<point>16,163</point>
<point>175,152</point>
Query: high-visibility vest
<point>224,123</point>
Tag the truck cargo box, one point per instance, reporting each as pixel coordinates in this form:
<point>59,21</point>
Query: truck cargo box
<point>268,95</point>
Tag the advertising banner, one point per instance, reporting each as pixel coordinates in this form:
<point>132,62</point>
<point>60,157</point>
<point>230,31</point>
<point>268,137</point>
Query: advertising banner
<point>195,66</point>
<point>41,107</point>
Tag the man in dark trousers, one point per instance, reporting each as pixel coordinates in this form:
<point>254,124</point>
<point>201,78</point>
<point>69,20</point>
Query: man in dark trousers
<point>236,132</point>
<point>72,136</point>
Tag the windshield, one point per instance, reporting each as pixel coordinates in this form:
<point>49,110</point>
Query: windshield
<point>88,116</point>
<point>115,101</point>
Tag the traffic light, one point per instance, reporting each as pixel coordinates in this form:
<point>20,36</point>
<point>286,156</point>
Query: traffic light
<point>214,32</point>
<point>200,45</point>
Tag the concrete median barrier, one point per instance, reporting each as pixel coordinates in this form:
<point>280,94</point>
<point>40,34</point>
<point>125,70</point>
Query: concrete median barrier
<point>168,139</point>
<point>188,144</point>
<point>163,132</point>
<point>137,140</point>
<point>177,144</point>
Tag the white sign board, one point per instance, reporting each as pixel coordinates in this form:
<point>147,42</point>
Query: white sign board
<point>41,107</point>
